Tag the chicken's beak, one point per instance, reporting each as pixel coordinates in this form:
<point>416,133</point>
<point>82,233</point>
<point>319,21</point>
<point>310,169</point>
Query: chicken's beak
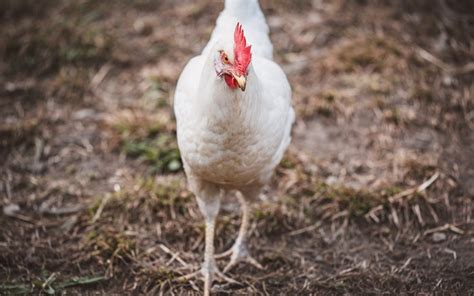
<point>241,81</point>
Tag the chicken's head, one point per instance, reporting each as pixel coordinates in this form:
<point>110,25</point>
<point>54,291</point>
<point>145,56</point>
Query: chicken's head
<point>233,67</point>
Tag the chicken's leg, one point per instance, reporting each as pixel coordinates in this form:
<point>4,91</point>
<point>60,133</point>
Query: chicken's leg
<point>209,270</point>
<point>239,251</point>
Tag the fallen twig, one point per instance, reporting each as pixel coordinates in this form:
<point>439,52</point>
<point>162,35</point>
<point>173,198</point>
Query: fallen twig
<point>373,213</point>
<point>101,208</point>
<point>411,191</point>
<point>443,228</point>
<point>424,54</point>
<point>305,229</point>
<point>404,265</point>
<point>173,256</point>
<point>99,76</point>
<point>452,252</point>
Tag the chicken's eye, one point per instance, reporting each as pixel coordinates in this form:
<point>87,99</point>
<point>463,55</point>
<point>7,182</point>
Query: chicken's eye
<point>225,59</point>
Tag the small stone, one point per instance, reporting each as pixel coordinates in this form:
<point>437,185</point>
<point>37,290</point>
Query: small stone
<point>174,165</point>
<point>84,114</point>
<point>11,209</point>
<point>142,27</point>
<point>438,237</point>
<point>331,180</point>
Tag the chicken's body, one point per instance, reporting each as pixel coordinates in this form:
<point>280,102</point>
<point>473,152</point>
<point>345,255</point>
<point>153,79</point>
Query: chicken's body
<point>235,138</point>
<point>232,139</point>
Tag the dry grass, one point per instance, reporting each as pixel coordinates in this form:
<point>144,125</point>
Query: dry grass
<point>374,196</point>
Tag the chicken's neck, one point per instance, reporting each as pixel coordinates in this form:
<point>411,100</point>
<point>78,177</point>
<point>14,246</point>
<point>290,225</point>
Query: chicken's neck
<point>241,8</point>
<point>224,107</point>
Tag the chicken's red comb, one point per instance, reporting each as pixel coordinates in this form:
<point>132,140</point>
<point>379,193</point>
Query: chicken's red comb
<point>242,53</point>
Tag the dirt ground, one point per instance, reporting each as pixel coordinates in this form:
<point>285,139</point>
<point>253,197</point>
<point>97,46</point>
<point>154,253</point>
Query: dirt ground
<point>375,195</point>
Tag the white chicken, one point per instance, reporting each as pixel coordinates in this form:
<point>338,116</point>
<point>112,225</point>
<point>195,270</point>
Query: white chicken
<point>234,117</point>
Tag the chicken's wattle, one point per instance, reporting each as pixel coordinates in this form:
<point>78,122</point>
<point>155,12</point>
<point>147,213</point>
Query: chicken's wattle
<point>230,81</point>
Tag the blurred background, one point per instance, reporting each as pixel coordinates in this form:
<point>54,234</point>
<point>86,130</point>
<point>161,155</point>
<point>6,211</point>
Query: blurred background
<point>375,194</point>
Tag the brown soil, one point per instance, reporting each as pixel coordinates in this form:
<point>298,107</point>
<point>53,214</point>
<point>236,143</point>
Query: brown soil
<point>375,195</point>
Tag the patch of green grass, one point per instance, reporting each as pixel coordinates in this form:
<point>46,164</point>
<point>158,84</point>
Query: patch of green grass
<point>287,162</point>
<point>108,243</point>
<point>356,202</point>
<point>48,285</point>
<point>149,138</point>
<point>144,201</point>
<point>164,193</point>
<point>15,289</point>
<point>148,133</point>
<point>391,190</point>
<point>161,154</point>
<point>164,274</point>
<point>79,281</point>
